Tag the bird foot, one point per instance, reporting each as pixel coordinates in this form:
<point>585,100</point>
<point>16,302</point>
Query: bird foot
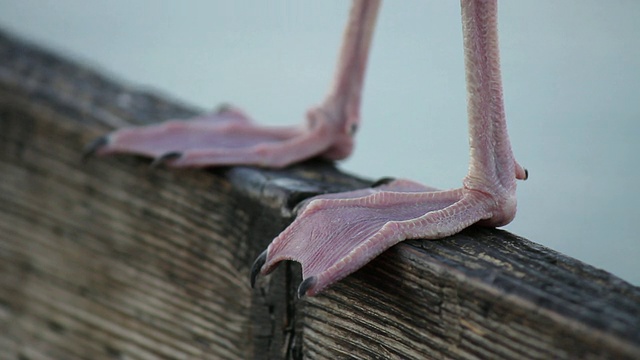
<point>336,234</point>
<point>228,137</point>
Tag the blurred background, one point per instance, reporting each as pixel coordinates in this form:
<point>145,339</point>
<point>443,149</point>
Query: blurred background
<point>571,72</point>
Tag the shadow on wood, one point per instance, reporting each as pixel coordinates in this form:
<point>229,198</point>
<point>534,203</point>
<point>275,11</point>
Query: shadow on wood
<point>112,259</point>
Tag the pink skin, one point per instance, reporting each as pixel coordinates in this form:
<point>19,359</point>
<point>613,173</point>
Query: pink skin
<point>228,137</point>
<point>336,234</point>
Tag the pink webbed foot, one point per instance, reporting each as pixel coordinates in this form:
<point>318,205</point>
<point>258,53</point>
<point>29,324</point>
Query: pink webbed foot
<point>336,234</point>
<point>226,137</point>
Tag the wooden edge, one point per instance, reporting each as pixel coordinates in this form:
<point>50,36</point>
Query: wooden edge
<point>484,293</point>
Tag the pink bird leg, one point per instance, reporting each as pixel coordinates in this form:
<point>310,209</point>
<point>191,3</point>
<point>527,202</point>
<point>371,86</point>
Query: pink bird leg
<point>336,234</point>
<point>228,136</point>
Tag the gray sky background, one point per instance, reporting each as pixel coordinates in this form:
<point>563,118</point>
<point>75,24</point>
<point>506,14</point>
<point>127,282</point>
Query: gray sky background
<point>571,72</point>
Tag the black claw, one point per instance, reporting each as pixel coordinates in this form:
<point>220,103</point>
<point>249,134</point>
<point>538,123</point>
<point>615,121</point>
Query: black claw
<point>526,174</point>
<point>298,197</point>
<point>94,146</point>
<point>257,266</point>
<point>307,284</point>
<point>222,108</point>
<point>382,181</point>
<point>165,157</point>
<point>354,128</point>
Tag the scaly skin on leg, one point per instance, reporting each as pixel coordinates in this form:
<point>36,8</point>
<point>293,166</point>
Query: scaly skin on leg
<point>335,235</point>
<point>228,137</point>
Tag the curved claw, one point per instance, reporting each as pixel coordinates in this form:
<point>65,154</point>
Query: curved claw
<point>383,181</point>
<point>257,267</point>
<point>93,147</point>
<point>306,285</point>
<point>166,158</point>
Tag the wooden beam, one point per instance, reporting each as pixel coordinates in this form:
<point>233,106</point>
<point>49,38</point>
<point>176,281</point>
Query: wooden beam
<point>109,258</point>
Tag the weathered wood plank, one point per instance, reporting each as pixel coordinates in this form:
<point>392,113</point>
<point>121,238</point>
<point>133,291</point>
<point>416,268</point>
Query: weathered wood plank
<point>109,259</point>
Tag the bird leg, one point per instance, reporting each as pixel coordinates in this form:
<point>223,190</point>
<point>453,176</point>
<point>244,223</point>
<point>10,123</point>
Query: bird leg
<point>228,136</point>
<point>336,234</point>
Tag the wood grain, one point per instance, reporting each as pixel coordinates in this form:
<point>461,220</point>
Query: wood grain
<point>111,259</point>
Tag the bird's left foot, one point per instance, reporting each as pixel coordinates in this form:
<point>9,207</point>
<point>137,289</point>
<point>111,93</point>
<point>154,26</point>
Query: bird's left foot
<point>229,137</point>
